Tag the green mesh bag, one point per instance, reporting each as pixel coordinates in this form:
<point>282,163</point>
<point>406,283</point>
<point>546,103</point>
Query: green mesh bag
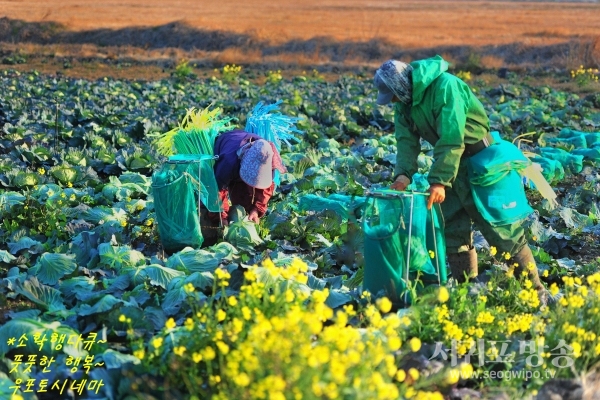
<point>588,154</point>
<point>592,139</point>
<point>179,187</point>
<point>570,162</point>
<point>400,238</point>
<point>496,183</point>
<point>579,141</point>
<point>552,170</point>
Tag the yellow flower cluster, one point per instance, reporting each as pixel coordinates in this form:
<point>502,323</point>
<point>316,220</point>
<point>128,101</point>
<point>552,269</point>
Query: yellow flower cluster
<point>580,333</point>
<point>274,76</point>
<point>583,75</point>
<point>232,69</point>
<point>464,75</point>
<point>442,313</point>
<point>485,317</point>
<point>452,331</point>
<point>476,332</point>
<point>231,72</point>
<point>222,277</point>
<point>529,297</point>
<point>594,283</point>
<point>278,341</point>
<point>443,294</point>
<point>519,322</point>
<point>572,300</point>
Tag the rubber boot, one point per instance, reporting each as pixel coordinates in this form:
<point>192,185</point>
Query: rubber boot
<point>526,266</point>
<point>463,264</point>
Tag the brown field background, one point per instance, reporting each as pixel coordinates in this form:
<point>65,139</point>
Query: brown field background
<point>492,34</point>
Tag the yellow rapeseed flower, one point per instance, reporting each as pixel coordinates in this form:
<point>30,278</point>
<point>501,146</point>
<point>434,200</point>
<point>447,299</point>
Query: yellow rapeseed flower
<point>209,353</point>
<point>415,344</point>
<point>157,342</point>
<point>196,357</point>
<point>530,266</point>
<point>170,324</point>
<point>384,304</point>
<point>179,350</point>
<point>289,296</point>
<point>443,294</point>
<point>189,288</point>
<point>466,370</point>
<point>569,281</point>
<point>576,349</point>
<point>319,296</point>
<point>485,317</point>
<point>413,373</point>
<point>241,379</point>
<point>493,251</point>
<point>394,343</point>
<point>223,347</point>
<point>401,375</point>
<point>139,353</point>
<point>452,376</point>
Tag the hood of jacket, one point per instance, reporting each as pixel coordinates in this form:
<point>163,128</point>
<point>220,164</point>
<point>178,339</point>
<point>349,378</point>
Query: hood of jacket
<point>424,73</point>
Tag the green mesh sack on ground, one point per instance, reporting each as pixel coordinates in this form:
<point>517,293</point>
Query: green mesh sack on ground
<point>579,141</point>
<point>592,139</point>
<point>343,205</point>
<point>588,154</point>
<point>178,188</point>
<point>402,240</point>
<point>552,170</point>
<point>573,163</point>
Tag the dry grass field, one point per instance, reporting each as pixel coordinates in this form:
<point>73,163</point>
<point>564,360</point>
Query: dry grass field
<point>411,24</point>
<point>307,32</point>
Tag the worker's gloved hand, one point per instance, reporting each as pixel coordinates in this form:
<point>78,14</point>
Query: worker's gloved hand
<point>253,216</point>
<point>401,182</point>
<point>437,194</point>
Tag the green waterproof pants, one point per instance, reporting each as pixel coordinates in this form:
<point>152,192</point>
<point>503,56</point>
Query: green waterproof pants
<point>460,213</point>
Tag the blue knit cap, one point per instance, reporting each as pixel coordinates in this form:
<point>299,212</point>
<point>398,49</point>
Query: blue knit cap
<point>394,78</point>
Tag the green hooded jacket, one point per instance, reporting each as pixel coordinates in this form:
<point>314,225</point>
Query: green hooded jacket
<point>444,112</point>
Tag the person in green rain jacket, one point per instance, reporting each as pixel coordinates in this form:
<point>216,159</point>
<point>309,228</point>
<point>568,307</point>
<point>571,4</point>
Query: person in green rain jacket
<point>438,107</point>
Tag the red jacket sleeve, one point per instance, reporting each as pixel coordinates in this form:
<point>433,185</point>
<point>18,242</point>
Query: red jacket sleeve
<point>261,199</point>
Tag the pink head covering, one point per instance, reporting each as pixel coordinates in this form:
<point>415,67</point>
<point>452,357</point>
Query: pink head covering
<point>258,162</point>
